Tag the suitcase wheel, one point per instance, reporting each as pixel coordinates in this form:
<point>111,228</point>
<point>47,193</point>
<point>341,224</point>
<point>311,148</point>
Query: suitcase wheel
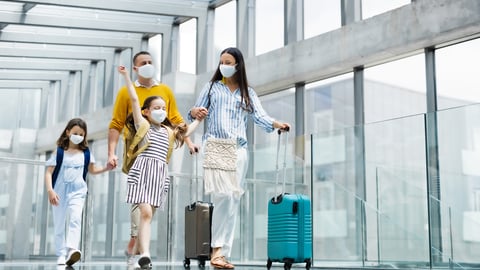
<point>287,266</point>
<point>201,263</point>
<point>308,264</point>
<point>269,264</point>
<point>186,263</point>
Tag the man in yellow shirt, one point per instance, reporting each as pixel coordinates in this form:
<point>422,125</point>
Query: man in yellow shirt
<point>145,86</point>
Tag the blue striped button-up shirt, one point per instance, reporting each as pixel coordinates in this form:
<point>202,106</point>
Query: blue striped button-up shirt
<point>226,118</point>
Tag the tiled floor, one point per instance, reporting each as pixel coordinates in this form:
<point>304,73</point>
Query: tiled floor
<point>106,265</point>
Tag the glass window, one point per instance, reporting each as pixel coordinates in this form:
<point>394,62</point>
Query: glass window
<point>329,104</point>
<point>225,34</point>
<point>269,25</point>
<point>395,89</point>
<point>321,17</point>
<point>371,8</point>
<point>188,53</point>
<point>155,49</point>
<point>281,106</point>
<point>25,116</point>
<point>457,74</point>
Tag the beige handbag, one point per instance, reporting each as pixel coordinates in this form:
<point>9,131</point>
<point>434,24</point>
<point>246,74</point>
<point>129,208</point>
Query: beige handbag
<point>220,167</point>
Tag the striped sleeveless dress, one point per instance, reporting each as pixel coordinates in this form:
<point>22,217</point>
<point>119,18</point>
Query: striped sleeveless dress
<point>148,180</point>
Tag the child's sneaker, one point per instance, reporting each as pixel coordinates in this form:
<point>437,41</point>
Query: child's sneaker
<point>145,262</point>
<point>73,257</point>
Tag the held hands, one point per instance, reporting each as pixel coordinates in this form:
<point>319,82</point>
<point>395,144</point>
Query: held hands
<point>110,166</point>
<point>199,113</point>
<point>112,161</point>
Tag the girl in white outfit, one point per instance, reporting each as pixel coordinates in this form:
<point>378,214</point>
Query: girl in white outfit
<point>67,188</point>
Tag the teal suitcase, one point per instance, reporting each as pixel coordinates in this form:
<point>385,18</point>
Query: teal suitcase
<point>289,227</point>
<point>289,230</point>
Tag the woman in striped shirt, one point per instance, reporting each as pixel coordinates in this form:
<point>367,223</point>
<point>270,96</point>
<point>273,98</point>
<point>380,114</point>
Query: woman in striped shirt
<point>227,101</point>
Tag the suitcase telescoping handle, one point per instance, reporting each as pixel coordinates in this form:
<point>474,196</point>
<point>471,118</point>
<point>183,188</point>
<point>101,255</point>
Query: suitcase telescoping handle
<point>284,164</point>
<point>194,179</point>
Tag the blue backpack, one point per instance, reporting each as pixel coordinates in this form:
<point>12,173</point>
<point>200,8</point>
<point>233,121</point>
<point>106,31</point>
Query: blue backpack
<point>86,154</point>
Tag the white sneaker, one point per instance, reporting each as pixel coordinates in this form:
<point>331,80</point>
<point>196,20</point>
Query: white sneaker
<point>61,260</point>
<point>131,260</point>
<point>73,257</point>
<point>134,260</point>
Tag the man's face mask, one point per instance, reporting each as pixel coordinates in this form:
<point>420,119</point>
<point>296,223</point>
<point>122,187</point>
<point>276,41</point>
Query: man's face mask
<point>146,71</point>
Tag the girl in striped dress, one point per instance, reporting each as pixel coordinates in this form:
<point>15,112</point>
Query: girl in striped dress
<point>148,181</point>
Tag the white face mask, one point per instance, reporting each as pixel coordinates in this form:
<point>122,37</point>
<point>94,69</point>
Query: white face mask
<point>158,115</point>
<point>227,70</point>
<point>76,139</point>
<point>146,71</point>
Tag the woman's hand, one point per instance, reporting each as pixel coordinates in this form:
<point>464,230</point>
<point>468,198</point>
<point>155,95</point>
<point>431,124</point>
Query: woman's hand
<point>282,127</point>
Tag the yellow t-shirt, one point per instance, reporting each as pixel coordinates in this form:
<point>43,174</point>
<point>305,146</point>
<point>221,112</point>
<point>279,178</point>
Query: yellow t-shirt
<point>123,105</point>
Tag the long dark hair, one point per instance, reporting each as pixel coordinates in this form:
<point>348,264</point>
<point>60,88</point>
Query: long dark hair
<point>240,77</point>
<point>63,140</point>
<point>179,130</point>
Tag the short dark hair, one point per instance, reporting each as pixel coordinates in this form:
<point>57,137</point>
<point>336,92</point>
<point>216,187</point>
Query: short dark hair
<point>138,54</point>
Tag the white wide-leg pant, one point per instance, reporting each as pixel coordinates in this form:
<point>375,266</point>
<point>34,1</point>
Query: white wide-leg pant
<point>225,210</point>
<point>72,199</point>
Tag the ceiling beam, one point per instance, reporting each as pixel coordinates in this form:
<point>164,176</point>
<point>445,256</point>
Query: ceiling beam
<point>34,76</point>
<point>179,8</point>
<point>57,52</point>
<point>20,63</point>
<point>27,6</point>
<point>69,39</point>
<point>153,27</point>
<point>21,84</point>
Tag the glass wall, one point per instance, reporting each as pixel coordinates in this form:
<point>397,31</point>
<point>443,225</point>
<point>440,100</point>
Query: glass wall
<point>459,158</point>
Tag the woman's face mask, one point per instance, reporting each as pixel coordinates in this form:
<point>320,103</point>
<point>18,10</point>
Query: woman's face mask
<point>227,70</point>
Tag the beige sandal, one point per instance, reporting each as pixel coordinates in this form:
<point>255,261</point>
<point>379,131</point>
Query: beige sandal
<point>221,263</point>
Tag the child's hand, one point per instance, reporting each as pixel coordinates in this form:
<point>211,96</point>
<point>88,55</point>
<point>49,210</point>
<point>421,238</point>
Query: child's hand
<point>110,166</point>
<point>53,198</point>
<point>122,69</point>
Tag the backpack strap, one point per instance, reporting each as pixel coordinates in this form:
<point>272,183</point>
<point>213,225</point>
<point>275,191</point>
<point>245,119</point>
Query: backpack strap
<point>56,170</point>
<point>137,138</point>
<point>86,162</point>
<point>58,165</point>
<point>171,141</point>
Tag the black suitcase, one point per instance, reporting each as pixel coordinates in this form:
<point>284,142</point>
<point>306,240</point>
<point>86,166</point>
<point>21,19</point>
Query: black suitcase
<point>198,223</point>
